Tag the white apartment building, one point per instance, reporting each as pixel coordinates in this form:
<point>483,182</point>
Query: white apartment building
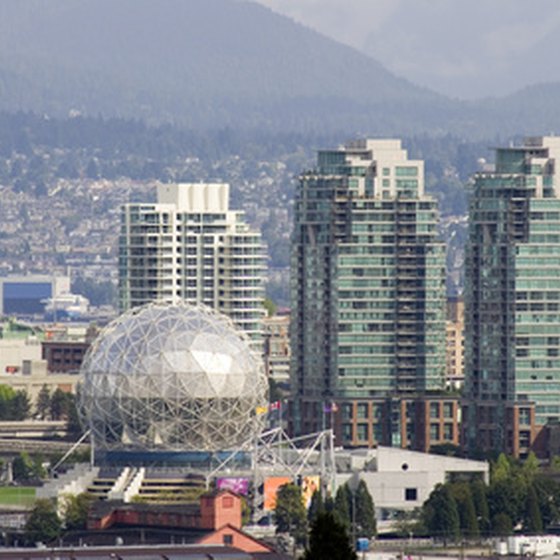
<point>190,246</point>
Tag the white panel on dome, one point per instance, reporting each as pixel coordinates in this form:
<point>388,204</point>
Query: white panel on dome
<point>177,360</point>
<point>213,362</point>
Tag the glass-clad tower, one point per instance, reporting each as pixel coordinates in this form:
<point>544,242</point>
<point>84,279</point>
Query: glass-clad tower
<point>191,246</point>
<point>513,299</point>
<point>368,282</point>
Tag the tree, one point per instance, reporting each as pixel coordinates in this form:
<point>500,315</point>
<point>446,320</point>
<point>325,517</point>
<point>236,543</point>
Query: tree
<point>22,467</point>
<point>43,402</point>
<point>548,494</point>
<point>43,524</point>
<point>480,501</point>
<point>502,525</point>
<point>342,506</point>
<point>14,405</point>
<point>73,423</point>
<point>465,507</point>
<point>291,516</point>
<point>408,523</point>
<point>316,506</point>
<point>555,463</point>
<point>532,522</point>
<point>328,539</point>
<point>531,466</point>
<point>20,406</point>
<point>507,496</point>
<point>440,514</point>
<point>76,509</point>
<point>270,306</point>
<point>25,467</point>
<point>365,512</point>
<point>501,469</point>
<point>59,404</point>
<point>329,503</point>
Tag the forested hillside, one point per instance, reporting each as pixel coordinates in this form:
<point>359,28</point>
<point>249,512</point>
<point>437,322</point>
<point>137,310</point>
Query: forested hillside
<point>198,62</point>
<point>35,151</point>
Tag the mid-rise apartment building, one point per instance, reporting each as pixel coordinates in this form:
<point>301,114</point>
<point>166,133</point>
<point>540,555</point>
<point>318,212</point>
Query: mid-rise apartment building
<point>189,245</point>
<point>368,290</point>
<point>512,316</point>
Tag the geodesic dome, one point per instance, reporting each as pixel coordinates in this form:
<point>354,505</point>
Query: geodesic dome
<point>172,377</point>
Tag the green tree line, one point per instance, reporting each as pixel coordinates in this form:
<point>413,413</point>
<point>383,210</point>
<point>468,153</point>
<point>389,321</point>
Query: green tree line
<point>519,496</point>
<point>292,517</point>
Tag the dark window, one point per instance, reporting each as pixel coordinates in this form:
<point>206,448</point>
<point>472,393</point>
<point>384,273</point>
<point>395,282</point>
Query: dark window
<point>410,494</point>
<point>228,539</point>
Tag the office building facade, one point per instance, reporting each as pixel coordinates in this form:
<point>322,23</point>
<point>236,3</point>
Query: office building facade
<point>512,316</point>
<point>191,246</point>
<point>368,287</point>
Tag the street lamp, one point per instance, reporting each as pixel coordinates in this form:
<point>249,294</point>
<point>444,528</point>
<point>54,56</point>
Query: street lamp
<point>353,483</point>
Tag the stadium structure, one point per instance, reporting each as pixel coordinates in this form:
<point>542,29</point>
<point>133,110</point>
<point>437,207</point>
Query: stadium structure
<point>173,397</point>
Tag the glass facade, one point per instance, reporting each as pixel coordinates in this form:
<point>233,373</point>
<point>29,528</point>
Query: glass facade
<point>368,278</point>
<point>513,287</point>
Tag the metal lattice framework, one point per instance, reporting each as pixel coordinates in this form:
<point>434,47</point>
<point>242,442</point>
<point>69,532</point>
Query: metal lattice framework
<point>172,377</point>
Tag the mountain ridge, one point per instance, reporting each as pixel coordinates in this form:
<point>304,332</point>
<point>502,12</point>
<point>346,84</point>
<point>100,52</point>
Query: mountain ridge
<point>219,63</point>
<point>228,51</point>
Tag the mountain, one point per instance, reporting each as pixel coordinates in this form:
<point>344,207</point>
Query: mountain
<point>195,62</point>
<point>214,64</point>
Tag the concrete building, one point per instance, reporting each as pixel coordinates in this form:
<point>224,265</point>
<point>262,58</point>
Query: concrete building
<point>401,480</point>
<point>455,344</point>
<point>513,300</point>
<point>368,287</point>
<point>191,246</point>
<point>28,361</point>
<point>34,376</point>
<point>28,295</point>
<point>18,343</point>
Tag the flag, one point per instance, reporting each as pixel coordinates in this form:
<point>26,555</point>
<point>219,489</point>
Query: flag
<point>276,405</point>
<point>330,407</point>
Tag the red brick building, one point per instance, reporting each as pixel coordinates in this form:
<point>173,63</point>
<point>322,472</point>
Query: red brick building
<point>416,422</point>
<point>216,520</point>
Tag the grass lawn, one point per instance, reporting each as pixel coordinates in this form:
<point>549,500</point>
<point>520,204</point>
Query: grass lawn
<point>16,495</point>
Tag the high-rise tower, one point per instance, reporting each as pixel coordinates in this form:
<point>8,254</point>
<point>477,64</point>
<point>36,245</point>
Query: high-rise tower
<point>190,246</point>
<point>513,299</point>
<point>368,291</point>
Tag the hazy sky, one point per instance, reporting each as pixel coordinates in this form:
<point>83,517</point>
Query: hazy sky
<point>464,48</point>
